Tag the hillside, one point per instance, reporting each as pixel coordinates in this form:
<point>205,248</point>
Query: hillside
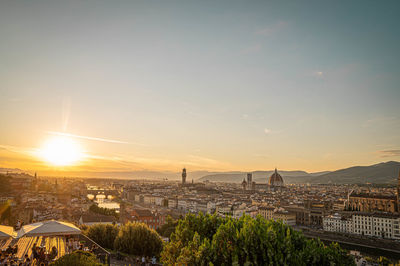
<point>378,173</point>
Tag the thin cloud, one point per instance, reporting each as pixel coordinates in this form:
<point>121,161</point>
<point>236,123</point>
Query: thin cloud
<point>90,138</point>
<point>318,74</point>
<point>272,29</point>
<point>381,120</point>
<point>389,153</point>
<point>252,49</point>
<point>268,131</point>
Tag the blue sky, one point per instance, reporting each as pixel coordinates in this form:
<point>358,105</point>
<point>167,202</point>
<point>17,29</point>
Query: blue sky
<point>215,85</point>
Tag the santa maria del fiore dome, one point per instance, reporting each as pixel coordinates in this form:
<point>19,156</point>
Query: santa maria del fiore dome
<point>275,179</point>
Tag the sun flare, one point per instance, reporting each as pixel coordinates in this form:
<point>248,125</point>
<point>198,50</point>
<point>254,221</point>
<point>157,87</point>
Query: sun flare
<point>61,151</point>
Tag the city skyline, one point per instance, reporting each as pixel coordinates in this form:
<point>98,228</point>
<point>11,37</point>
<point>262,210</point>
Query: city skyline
<point>212,86</point>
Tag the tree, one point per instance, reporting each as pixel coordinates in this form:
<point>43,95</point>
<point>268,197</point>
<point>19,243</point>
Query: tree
<point>77,258</point>
<point>139,240</point>
<point>104,211</point>
<point>103,234</point>
<point>208,239</point>
<point>166,229</point>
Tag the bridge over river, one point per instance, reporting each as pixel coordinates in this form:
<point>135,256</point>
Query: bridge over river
<point>105,192</point>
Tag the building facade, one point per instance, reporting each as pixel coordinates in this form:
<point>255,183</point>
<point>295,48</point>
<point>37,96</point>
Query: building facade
<point>377,225</point>
<point>365,202</point>
<point>338,223</point>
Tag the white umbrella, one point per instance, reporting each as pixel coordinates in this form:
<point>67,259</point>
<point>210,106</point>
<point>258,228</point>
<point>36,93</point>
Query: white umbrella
<point>49,228</point>
<point>6,232</point>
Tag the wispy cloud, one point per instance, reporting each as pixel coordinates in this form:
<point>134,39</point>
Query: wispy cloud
<point>381,120</point>
<point>272,29</point>
<point>90,138</point>
<point>268,131</point>
<point>389,153</point>
<point>255,48</point>
<point>318,74</point>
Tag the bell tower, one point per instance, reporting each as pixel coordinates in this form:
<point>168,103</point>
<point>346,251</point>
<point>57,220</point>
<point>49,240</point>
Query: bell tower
<point>183,176</point>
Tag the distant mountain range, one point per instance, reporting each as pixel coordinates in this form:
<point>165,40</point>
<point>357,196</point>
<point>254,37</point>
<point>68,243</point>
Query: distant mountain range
<point>378,173</point>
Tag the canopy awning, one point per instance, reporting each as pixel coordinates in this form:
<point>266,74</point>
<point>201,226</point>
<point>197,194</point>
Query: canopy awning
<point>49,228</point>
<point>7,231</point>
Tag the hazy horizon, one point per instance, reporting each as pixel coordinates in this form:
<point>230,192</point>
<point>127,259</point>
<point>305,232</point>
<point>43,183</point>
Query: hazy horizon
<point>100,86</point>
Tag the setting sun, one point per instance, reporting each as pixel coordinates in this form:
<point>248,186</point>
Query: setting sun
<point>61,151</point>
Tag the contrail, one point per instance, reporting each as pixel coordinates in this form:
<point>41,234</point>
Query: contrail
<point>89,138</point>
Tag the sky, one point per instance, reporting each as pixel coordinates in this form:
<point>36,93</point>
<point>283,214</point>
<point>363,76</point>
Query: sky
<point>206,85</point>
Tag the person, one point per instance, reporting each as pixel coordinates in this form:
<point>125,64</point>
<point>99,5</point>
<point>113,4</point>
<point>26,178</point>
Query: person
<point>42,255</point>
<point>9,250</point>
<point>80,246</point>
<point>53,253</point>
<point>76,244</point>
<point>27,260</point>
<point>93,249</point>
<point>15,250</point>
<point>143,261</point>
<point>2,258</point>
<point>70,245</point>
<point>35,254</point>
<point>153,260</point>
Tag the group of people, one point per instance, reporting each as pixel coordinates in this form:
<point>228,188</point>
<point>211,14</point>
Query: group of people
<point>39,256</point>
<point>146,261</point>
<point>74,244</point>
<point>8,256</point>
<point>42,256</point>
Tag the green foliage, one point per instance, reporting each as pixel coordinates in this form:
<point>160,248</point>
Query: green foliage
<point>77,258</point>
<point>138,239</point>
<point>103,234</point>
<point>208,239</point>
<point>166,229</point>
<point>96,209</point>
<point>382,261</point>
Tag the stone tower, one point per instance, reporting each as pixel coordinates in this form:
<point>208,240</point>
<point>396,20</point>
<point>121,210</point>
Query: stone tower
<point>249,180</point>
<point>183,176</point>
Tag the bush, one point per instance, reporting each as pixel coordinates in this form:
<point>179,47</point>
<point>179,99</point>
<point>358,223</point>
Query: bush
<point>103,234</point>
<point>77,258</point>
<point>208,239</point>
<point>139,240</point>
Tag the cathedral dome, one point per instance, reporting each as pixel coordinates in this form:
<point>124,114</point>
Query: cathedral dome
<point>275,179</point>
